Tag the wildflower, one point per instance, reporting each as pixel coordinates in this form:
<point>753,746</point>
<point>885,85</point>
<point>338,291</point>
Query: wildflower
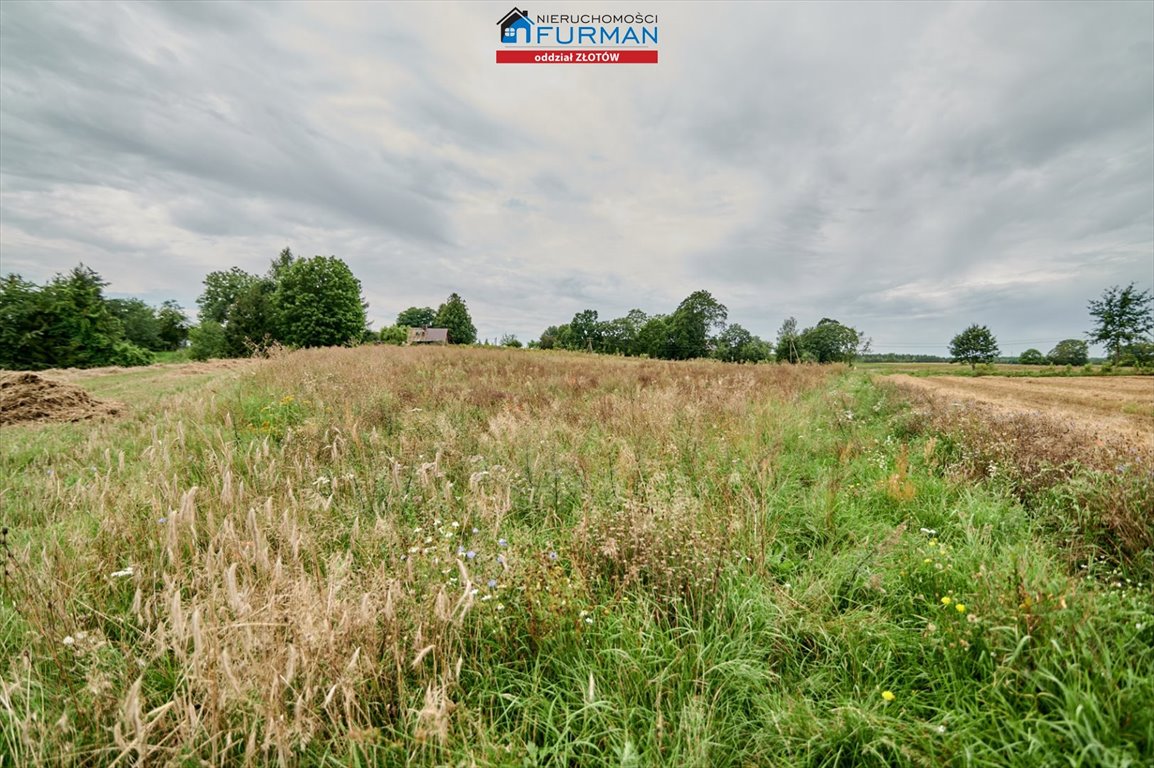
<point>888,695</point>
<point>492,583</point>
<point>501,559</point>
<point>455,524</point>
<point>929,531</point>
<point>476,530</point>
<point>927,561</point>
<point>502,543</point>
<point>940,729</point>
<point>960,607</point>
<point>947,600</point>
<point>552,555</point>
<point>122,573</point>
<point>68,640</point>
<point>460,550</point>
<point>470,554</point>
<point>500,606</point>
<point>162,520</point>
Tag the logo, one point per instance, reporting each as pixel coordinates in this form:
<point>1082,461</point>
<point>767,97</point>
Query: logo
<point>514,22</point>
<point>583,38</point>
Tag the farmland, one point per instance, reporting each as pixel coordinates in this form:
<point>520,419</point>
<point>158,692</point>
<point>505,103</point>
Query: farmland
<point>406,556</point>
<point>1119,408</point>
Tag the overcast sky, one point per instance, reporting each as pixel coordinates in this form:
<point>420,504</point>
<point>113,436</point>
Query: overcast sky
<point>908,169</point>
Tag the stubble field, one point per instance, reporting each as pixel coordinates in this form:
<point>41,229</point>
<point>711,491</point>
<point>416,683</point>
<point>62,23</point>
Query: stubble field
<point>385,556</point>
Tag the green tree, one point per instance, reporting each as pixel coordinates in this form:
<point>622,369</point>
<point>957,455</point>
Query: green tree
<point>141,326</point>
<point>509,340</point>
<point>1122,316</point>
<point>173,325</point>
<point>253,323</point>
<point>585,331</point>
<point>221,290</point>
<point>548,338</point>
<point>1140,354</point>
<point>79,329</point>
<point>417,317</point>
<point>454,315</point>
<point>1032,357</point>
<point>395,335</point>
<point>692,324</point>
<point>974,345</point>
<point>21,313</point>
<point>787,346</point>
<point>1070,352</point>
<point>831,342</point>
<point>318,303</point>
<point>206,341</point>
<point>654,339</point>
<point>619,336</point>
<point>737,345</point>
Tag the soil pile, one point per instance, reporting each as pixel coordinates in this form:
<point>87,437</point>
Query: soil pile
<point>28,397</point>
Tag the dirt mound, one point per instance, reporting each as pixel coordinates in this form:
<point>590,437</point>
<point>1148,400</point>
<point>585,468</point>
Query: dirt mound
<point>28,397</point>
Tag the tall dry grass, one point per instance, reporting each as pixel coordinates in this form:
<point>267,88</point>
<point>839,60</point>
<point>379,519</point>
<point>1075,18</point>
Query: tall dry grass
<point>304,557</point>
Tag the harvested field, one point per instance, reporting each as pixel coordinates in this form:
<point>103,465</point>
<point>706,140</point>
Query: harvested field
<point>1115,409</point>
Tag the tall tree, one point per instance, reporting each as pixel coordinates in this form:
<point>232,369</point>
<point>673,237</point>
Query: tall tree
<point>173,325</point>
<point>1069,352</point>
<point>141,326</point>
<point>830,342</point>
<point>1122,317</point>
<point>737,345</point>
<point>692,325</point>
<point>21,311</point>
<point>454,315</point>
<point>787,346</point>
<point>81,330</point>
<point>586,331</point>
<point>253,322</point>
<point>974,345</point>
<point>318,303</point>
<point>417,317</point>
<point>221,290</point>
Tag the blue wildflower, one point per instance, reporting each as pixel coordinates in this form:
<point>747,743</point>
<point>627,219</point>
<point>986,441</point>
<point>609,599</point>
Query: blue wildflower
<point>492,583</point>
<point>470,554</point>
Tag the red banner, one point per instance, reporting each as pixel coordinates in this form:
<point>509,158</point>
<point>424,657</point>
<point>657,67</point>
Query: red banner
<point>542,56</point>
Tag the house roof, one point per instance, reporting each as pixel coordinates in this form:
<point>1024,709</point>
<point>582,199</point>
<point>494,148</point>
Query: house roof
<point>518,13</point>
<point>428,335</point>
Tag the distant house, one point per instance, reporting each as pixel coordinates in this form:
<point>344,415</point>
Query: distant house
<point>513,22</point>
<point>428,336</point>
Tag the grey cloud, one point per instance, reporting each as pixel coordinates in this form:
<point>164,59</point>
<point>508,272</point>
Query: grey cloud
<point>885,164</point>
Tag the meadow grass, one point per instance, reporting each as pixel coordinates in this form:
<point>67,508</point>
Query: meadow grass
<point>386,556</point>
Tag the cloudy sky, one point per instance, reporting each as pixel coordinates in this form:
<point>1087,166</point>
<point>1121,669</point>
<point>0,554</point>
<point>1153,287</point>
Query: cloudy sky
<point>908,169</point>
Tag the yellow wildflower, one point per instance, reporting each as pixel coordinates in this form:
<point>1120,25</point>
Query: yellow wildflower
<point>888,695</point>
<point>960,607</point>
<point>947,600</point>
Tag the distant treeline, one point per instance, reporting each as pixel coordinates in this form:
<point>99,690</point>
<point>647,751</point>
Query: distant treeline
<point>697,328</point>
<point>314,302</point>
<point>68,323</point>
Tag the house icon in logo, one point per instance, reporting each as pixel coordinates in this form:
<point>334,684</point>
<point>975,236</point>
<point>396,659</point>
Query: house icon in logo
<point>513,22</point>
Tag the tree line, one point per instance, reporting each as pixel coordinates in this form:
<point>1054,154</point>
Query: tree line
<point>311,302</point>
<point>697,328</point>
<point>68,323</point>
<point>1122,321</point>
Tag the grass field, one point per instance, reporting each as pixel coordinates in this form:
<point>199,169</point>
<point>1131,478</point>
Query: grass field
<point>387,556</point>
